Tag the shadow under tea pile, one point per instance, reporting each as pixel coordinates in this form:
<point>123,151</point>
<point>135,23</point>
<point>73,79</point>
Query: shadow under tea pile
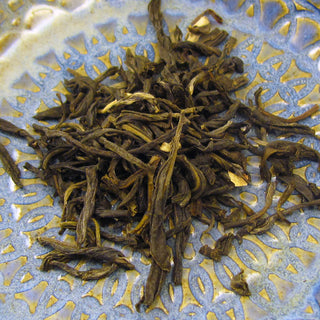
<point>168,144</point>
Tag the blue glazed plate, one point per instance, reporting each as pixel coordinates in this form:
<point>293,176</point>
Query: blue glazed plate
<point>39,41</point>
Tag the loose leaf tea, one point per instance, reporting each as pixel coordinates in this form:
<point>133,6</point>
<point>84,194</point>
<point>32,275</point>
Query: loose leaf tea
<point>239,285</point>
<point>9,166</point>
<point>165,145</point>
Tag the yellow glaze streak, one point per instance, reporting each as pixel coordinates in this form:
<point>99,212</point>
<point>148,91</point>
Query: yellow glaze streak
<point>306,257</point>
<point>32,296</point>
<point>23,156</point>
<point>249,198</point>
<point>33,234</point>
<point>31,194</point>
<point>114,287</point>
<point>276,99</point>
<point>189,252</point>
<point>306,25</point>
<point>314,54</point>
<point>158,304</point>
<point>97,291</point>
<point>78,43</point>
<point>207,265</point>
<point>28,276</point>
<point>240,36</point>
<point>264,294</point>
<point>265,6</point>
<point>94,40</point>
<point>211,316</point>
<point>201,285</point>
<point>49,60</point>
<point>66,55</point>
<point>242,93</point>
<point>23,209</point>
<point>42,106</point>
<point>7,110</point>
<point>8,249</point>
<point>188,297</point>
<point>312,98</point>
<point>251,310</point>
<point>250,47</point>
<point>35,219</point>
<point>28,182</point>
<point>315,3</point>
<point>60,88</point>
<point>26,83</point>
<point>65,313</point>
<point>267,52</point>
<point>294,72</point>
<point>3,297</point>
<point>5,233</point>
<point>302,171</point>
<point>300,7</point>
<point>107,31</point>
<point>106,59</point>
<point>283,287</point>
<point>291,268</point>
<point>315,222</point>
<point>140,23</point>
<point>308,309</point>
<point>250,11</point>
<point>299,87</point>
<point>277,65</point>
<point>10,268</point>
<point>230,314</point>
<point>126,300</point>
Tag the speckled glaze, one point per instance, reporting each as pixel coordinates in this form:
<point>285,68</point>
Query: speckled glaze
<point>39,41</point>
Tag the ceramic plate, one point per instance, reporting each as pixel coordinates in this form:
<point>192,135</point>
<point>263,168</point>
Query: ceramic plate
<point>39,40</point>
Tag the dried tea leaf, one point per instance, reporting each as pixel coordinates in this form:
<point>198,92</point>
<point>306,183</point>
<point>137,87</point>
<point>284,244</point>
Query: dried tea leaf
<point>239,285</point>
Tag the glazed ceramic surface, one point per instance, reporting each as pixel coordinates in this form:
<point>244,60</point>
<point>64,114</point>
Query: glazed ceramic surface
<point>278,41</point>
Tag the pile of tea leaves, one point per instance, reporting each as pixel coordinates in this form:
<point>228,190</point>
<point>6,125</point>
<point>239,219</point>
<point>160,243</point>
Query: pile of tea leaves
<point>165,145</point>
